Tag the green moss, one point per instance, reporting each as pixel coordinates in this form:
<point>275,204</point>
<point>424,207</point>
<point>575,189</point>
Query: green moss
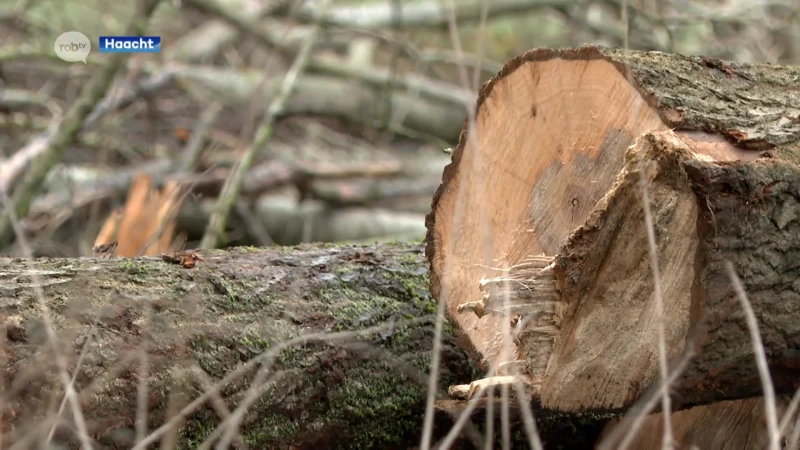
<point>352,308</point>
<point>296,357</point>
<point>407,259</point>
<point>372,400</point>
<point>271,427</point>
<point>416,284</point>
<point>134,266</point>
<point>255,341</point>
<point>343,269</point>
<point>196,431</point>
<point>239,295</point>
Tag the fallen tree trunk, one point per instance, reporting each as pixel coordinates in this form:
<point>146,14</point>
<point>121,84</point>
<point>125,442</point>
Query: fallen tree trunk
<point>326,388</point>
<point>344,334</point>
<point>332,97</point>
<point>538,235</point>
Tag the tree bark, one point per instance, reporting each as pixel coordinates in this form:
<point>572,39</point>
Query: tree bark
<point>539,226</point>
<point>356,380</point>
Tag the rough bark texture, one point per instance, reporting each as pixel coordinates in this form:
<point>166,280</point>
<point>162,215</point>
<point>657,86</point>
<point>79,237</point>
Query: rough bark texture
<point>755,106</point>
<point>551,169</point>
<point>365,392</point>
<point>749,216</point>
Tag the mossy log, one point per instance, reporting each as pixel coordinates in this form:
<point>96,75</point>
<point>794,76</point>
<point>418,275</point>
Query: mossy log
<point>199,324</point>
<point>345,332</point>
<point>538,238</point>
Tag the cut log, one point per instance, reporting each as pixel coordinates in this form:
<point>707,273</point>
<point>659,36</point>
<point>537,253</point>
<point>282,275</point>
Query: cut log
<point>727,425</point>
<point>330,391</point>
<point>537,235</point>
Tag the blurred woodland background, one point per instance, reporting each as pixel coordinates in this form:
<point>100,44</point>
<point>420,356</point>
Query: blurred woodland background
<point>349,146</point>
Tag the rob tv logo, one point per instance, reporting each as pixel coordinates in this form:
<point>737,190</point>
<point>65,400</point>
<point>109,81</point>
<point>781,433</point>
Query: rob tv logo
<point>72,46</point>
<point>130,44</point>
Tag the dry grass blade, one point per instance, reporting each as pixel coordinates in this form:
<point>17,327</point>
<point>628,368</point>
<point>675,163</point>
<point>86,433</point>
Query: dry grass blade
<point>472,403</point>
<point>505,419</point>
<point>528,420</point>
<point>433,382</point>
<point>219,405</point>
<point>141,388</point>
<point>453,434</point>
<point>473,142</point>
<point>622,435</point>
<point>770,404</point>
<point>790,412</point>
<point>229,428</point>
<point>485,242</point>
<point>3,361</point>
<point>507,354</point>
<point>489,442</point>
<point>794,439</point>
<point>479,52</point>
<point>77,371</point>
<point>666,408</point>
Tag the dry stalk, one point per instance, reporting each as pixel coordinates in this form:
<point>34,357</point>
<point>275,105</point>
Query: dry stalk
<point>770,404</point>
<point>485,241</point>
<point>666,407</point>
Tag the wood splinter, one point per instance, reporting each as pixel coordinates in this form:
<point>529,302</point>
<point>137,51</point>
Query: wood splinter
<point>468,391</point>
<point>522,289</point>
<point>527,295</point>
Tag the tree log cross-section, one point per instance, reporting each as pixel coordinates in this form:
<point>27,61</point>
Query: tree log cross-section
<point>538,237</point>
